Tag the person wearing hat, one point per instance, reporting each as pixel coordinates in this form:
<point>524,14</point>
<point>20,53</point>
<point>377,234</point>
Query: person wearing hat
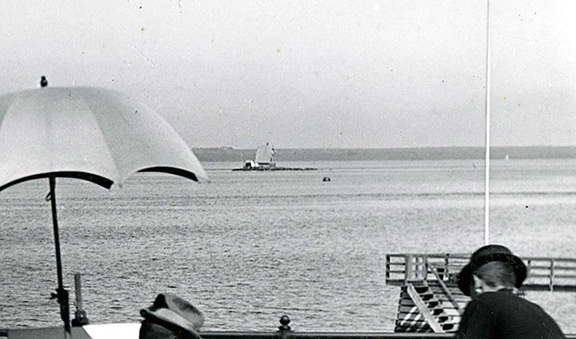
<point>495,311</point>
<point>170,317</point>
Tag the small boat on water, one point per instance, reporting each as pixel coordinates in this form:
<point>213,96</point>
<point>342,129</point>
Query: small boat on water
<point>265,160</point>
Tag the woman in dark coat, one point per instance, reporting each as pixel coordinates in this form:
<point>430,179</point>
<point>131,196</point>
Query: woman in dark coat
<point>496,311</point>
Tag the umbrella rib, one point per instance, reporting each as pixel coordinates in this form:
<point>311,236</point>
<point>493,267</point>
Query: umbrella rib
<point>171,170</point>
<point>97,179</point>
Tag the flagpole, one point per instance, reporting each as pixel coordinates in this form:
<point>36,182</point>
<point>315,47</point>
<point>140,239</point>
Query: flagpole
<point>487,141</point>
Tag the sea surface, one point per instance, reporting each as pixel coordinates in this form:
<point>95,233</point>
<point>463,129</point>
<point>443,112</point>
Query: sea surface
<point>249,247</point>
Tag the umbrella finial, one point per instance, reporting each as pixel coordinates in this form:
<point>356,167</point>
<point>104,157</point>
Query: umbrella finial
<point>43,82</point>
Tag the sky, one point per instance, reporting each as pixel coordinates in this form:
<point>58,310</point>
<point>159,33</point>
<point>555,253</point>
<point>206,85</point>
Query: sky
<point>312,73</point>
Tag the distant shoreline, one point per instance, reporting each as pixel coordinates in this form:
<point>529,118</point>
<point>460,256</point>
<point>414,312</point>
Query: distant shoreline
<point>229,154</point>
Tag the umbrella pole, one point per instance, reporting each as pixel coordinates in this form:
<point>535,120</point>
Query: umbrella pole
<point>61,292</point>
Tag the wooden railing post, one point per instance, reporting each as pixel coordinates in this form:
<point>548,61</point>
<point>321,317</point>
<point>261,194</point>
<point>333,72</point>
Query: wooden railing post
<point>551,274</point>
<point>408,267</point>
<point>446,266</point>
<point>425,267</point>
<point>387,267</point>
<point>80,317</point>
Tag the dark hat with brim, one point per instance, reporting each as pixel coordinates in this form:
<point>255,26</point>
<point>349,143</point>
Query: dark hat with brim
<point>488,254</point>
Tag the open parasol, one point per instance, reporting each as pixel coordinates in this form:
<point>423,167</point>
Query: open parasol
<point>88,133</point>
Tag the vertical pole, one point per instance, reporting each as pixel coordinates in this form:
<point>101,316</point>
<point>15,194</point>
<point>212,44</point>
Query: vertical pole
<point>487,159</point>
<point>78,289</point>
<point>80,317</point>
<point>61,293</point>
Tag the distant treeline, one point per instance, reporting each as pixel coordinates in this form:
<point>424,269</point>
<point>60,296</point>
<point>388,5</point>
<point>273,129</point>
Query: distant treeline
<point>228,154</point>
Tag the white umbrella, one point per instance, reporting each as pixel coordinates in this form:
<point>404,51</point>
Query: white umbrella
<point>87,133</point>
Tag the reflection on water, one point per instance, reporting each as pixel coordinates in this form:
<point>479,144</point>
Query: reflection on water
<point>248,247</point>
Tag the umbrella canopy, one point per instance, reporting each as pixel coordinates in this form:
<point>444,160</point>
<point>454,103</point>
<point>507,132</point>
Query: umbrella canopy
<point>87,133</point>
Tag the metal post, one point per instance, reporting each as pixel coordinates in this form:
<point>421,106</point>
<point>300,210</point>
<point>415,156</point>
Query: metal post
<point>284,328</point>
<point>61,293</point>
<point>487,160</point>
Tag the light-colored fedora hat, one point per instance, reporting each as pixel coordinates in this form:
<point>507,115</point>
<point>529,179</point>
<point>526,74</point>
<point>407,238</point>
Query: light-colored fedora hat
<point>171,316</point>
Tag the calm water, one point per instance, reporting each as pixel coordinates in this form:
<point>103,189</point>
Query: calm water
<point>247,247</point>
